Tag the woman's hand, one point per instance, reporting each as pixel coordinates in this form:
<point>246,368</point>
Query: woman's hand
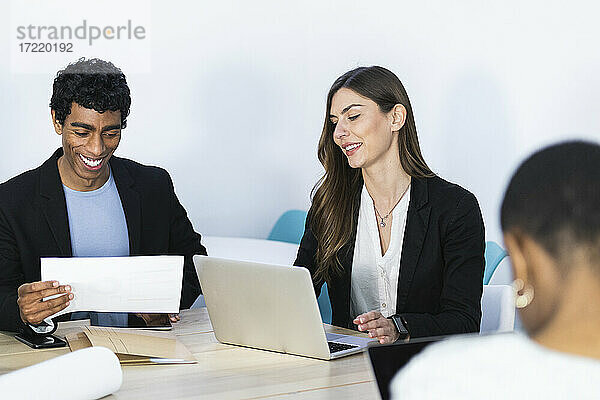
<point>379,327</point>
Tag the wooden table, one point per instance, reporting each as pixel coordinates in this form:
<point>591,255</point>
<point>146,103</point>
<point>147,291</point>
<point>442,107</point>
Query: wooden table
<point>223,371</point>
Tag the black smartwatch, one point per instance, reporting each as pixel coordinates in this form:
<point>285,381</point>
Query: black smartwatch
<point>45,328</point>
<point>401,326</point>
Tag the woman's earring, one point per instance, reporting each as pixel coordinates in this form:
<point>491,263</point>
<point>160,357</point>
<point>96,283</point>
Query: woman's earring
<point>525,298</point>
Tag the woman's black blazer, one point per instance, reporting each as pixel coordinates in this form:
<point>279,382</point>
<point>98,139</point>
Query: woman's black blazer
<point>441,268</point>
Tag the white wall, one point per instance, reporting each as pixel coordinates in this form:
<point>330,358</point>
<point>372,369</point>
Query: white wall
<point>233,102</point>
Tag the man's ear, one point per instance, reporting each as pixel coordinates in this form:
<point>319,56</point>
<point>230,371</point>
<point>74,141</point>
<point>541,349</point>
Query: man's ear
<point>57,125</point>
<point>514,246</point>
<point>398,117</point>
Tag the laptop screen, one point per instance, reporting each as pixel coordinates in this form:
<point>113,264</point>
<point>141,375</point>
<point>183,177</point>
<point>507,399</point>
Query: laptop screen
<point>386,360</point>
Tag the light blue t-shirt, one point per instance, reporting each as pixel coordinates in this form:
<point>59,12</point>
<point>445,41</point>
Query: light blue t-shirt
<point>98,229</point>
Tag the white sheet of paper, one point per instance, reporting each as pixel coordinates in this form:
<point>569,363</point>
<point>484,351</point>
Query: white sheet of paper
<point>142,284</point>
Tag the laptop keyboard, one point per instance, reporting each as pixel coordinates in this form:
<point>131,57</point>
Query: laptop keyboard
<point>335,347</point>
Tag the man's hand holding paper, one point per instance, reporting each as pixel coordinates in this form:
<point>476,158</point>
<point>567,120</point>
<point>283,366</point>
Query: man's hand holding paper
<point>32,306</point>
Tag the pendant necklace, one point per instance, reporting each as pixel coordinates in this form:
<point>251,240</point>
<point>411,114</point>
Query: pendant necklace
<point>382,222</point>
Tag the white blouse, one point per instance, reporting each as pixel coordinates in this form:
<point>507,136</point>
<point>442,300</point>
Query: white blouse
<point>374,280</point>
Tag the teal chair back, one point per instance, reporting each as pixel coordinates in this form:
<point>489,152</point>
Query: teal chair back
<point>325,305</point>
<point>493,255</point>
<point>289,227</point>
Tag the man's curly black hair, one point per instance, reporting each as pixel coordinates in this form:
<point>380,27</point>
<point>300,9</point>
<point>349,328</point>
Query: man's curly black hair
<point>94,84</point>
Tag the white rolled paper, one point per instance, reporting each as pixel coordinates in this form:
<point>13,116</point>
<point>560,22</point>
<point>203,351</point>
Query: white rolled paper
<point>89,373</point>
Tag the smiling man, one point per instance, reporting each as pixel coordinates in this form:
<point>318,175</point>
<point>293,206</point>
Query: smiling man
<point>85,202</point>
<point>89,139</point>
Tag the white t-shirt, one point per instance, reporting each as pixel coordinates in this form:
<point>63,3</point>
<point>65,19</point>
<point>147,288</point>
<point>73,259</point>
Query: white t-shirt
<point>504,366</point>
<point>374,280</point>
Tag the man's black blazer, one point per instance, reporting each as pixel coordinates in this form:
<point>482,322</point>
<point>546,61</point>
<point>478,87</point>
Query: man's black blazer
<point>441,268</point>
<point>34,224</point>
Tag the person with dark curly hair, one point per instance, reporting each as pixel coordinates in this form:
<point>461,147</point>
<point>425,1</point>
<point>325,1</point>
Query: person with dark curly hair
<point>85,202</point>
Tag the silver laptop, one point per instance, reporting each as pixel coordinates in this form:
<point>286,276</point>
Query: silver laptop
<point>269,307</point>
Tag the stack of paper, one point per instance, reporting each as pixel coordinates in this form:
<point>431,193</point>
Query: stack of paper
<point>133,348</point>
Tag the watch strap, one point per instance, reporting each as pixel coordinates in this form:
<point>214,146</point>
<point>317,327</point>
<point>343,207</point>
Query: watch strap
<point>400,324</point>
<point>46,327</point>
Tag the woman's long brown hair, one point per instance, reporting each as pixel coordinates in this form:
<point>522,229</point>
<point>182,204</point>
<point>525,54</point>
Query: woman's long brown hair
<point>334,197</point>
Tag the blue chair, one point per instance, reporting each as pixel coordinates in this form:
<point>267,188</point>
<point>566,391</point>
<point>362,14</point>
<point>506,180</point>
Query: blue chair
<point>325,305</point>
<point>493,255</point>
<point>289,227</point>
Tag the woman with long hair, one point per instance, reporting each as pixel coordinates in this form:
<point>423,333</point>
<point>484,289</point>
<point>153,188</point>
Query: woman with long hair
<point>401,250</point>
